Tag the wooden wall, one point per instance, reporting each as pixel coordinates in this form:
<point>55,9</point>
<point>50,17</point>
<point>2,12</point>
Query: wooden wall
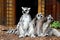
<point>10,11</point>
<point>7,12</point>
<point>2,13</point>
<point>58,10</point>
<point>53,7</point>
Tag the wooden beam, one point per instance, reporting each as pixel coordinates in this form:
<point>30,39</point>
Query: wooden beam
<point>10,12</point>
<point>1,12</point>
<point>41,6</point>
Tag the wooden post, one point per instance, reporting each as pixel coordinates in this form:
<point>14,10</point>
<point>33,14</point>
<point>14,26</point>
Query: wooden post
<point>41,6</point>
<point>10,12</point>
<point>2,18</point>
<point>1,9</point>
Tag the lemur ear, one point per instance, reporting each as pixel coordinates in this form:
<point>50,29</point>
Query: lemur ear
<point>49,15</point>
<point>29,8</point>
<point>36,15</point>
<point>22,7</point>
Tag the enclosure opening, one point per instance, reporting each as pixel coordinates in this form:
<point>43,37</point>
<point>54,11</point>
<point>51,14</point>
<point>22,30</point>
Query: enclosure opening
<point>33,4</point>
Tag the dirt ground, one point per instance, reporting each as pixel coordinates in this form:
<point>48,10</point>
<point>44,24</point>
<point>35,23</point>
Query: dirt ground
<point>5,36</point>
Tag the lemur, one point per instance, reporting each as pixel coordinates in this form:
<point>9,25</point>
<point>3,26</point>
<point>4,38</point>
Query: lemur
<point>23,24</point>
<point>33,28</point>
<point>39,24</point>
<point>47,30</point>
<point>25,19</point>
<point>46,25</point>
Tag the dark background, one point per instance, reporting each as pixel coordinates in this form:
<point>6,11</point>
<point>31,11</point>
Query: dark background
<point>26,3</point>
<point>58,0</point>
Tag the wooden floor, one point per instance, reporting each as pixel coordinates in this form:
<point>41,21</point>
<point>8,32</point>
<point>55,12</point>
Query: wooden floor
<point>5,36</point>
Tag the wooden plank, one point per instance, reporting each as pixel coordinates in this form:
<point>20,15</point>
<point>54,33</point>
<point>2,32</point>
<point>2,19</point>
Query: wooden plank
<point>39,6</point>
<point>10,12</point>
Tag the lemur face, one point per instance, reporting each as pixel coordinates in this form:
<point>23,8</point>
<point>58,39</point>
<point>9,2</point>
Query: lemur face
<point>25,10</point>
<point>50,18</point>
<point>39,16</point>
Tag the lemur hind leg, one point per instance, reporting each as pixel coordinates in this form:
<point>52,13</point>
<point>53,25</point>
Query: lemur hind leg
<point>21,33</point>
<point>31,30</point>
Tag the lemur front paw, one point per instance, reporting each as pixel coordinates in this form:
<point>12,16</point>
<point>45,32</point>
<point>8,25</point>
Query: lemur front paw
<point>33,36</point>
<point>21,36</point>
<point>26,34</point>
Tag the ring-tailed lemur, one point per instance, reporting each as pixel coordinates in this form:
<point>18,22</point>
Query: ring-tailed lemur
<point>23,24</point>
<point>25,19</point>
<point>39,23</point>
<point>33,23</point>
<point>46,25</point>
<point>47,30</point>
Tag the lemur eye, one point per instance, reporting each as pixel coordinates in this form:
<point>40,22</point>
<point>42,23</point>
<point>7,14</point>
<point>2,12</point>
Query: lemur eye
<point>49,18</point>
<point>38,15</point>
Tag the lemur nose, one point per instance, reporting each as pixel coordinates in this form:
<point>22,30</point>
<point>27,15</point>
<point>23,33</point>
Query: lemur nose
<point>38,15</point>
<point>24,12</point>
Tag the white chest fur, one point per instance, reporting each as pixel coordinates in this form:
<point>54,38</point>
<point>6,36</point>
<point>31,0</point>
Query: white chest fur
<point>26,19</point>
<point>45,26</point>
